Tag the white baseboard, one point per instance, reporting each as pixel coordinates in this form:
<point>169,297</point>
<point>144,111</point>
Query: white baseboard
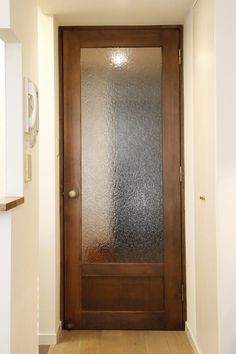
<point>50,338</point>
<point>191,339</point>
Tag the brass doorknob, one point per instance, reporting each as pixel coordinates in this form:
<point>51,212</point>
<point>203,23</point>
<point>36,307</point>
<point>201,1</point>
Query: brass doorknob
<point>73,194</point>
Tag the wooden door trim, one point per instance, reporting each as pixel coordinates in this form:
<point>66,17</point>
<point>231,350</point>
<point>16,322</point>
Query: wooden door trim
<point>123,269</point>
<point>61,132</point>
<point>183,236</point>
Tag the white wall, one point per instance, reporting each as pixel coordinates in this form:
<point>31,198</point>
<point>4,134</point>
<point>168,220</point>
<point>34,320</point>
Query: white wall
<point>2,120</point>
<point>25,218</point>
<point>189,175</point>
<point>13,118</point>
<point>23,225</point>
<point>205,150</point>
<point>5,280</point>
<point>226,169</point>
<point>49,236</point>
<point>5,14</point>
<point>200,158</point>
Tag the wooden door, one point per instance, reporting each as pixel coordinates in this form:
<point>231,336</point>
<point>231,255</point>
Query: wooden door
<point>122,245</point>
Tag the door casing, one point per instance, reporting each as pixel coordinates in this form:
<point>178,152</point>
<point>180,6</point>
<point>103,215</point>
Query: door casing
<point>61,132</point>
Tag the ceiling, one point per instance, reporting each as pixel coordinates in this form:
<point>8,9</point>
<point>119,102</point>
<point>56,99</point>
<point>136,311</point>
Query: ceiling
<point>117,12</point>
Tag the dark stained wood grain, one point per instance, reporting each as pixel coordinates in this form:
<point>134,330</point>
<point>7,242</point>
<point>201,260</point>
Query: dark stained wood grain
<point>122,269</point>
<point>122,293</point>
<point>124,320</point>
<point>85,285</point>
<point>171,179</point>
<point>72,167</point>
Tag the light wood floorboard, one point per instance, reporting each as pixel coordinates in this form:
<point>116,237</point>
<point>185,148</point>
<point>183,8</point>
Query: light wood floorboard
<point>122,342</point>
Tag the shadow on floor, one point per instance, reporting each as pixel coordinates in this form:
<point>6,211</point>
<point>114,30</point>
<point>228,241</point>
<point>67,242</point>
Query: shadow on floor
<point>43,349</point>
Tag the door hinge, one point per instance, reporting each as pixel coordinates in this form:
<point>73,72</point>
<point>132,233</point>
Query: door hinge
<point>180,57</point>
<point>182,293</point>
<point>180,174</point>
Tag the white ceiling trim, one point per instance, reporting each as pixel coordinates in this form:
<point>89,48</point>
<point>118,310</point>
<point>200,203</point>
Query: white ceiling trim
<point>117,12</point>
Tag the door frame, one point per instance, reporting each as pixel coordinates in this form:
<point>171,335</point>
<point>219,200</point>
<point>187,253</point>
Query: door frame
<point>61,160</point>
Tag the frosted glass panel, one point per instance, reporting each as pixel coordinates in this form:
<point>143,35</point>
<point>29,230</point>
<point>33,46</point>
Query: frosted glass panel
<point>122,197</point>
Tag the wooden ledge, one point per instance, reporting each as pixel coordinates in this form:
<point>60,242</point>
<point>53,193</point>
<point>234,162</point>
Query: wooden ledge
<point>8,203</point>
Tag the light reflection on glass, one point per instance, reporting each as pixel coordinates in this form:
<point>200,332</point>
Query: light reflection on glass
<point>119,59</point>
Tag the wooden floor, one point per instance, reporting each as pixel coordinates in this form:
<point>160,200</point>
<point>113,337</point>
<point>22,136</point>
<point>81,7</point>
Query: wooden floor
<point>122,342</point>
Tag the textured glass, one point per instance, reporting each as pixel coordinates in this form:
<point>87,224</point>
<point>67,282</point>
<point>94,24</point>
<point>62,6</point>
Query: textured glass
<point>122,197</point>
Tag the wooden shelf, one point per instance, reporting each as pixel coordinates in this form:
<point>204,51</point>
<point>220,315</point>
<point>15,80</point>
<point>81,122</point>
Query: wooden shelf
<point>8,203</point>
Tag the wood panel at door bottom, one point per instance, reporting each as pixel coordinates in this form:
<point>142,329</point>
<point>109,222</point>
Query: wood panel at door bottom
<point>122,295</point>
